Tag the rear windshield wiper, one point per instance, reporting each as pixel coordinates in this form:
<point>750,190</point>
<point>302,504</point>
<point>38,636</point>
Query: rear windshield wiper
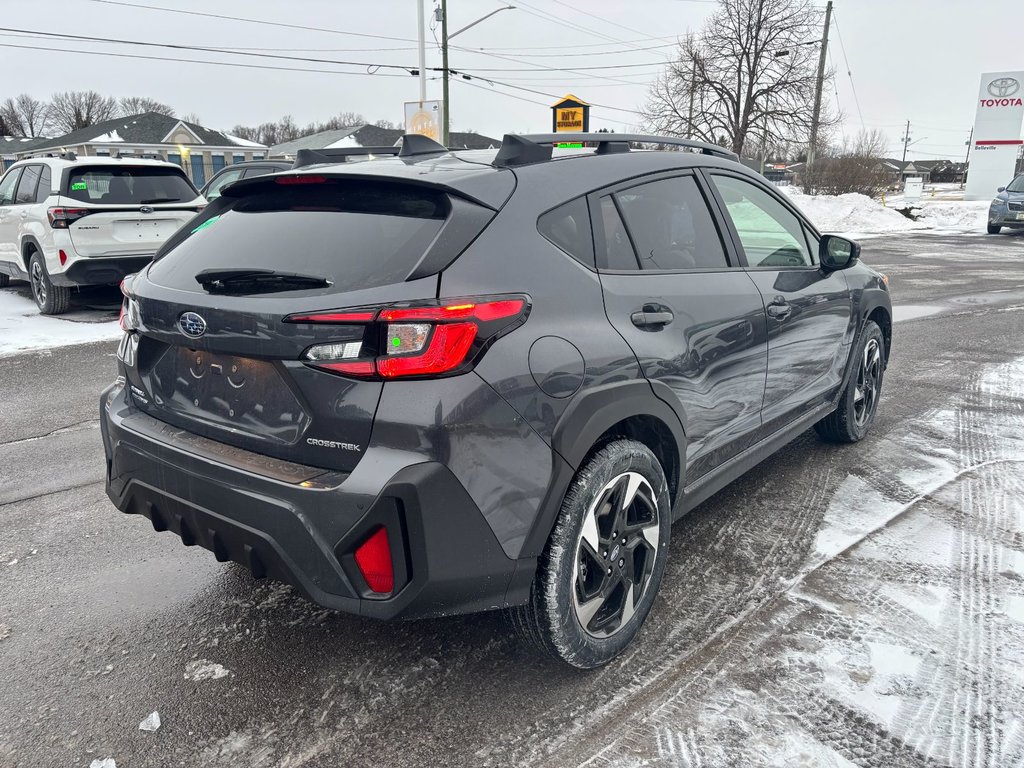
<point>256,281</point>
<point>161,200</point>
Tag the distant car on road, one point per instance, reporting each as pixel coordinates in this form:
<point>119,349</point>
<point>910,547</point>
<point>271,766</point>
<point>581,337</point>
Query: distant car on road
<point>1007,209</point>
<point>68,222</point>
<point>247,170</point>
<point>438,382</point>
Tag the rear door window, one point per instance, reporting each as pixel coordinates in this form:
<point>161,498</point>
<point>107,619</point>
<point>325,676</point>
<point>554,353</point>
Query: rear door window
<point>352,233</point>
<point>43,190</point>
<point>221,181</point>
<point>671,226</point>
<point>27,186</point>
<point>127,185</point>
<point>616,251</point>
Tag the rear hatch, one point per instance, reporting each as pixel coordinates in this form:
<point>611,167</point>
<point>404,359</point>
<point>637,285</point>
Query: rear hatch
<point>121,210</point>
<point>218,353</point>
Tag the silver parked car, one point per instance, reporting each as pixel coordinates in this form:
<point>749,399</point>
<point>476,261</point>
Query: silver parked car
<point>1007,208</point>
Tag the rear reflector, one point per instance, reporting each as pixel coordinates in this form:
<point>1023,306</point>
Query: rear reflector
<point>374,560</point>
<point>63,257</point>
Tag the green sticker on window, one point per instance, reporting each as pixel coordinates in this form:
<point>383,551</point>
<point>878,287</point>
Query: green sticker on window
<point>205,224</point>
<point>79,185</point>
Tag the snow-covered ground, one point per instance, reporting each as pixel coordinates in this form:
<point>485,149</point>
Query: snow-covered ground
<point>858,215</point>
<point>22,327</point>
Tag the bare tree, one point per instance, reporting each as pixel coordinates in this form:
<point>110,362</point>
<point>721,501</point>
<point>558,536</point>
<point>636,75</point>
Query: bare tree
<point>191,117</point>
<point>747,79</point>
<point>73,110</point>
<point>854,167</point>
<point>24,116</point>
<point>137,105</point>
<point>390,125</point>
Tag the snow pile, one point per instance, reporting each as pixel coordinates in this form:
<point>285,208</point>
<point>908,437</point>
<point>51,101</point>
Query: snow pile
<point>851,213</point>
<point>244,142</point>
<point>854,214</point>
<point>109,137</point>
<point>22,327</point>
<point>969,215</point>
<point>151,723</point>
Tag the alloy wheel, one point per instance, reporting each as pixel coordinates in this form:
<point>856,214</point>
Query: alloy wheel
<point>615,554</point>
<point>38,280</point>
<point>869,379</point>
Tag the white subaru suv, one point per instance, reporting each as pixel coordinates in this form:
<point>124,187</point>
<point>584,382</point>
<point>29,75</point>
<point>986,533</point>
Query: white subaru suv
<point>67,222</point>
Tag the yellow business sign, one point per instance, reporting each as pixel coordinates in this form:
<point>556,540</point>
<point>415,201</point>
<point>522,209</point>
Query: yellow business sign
<point>570,115</point>
<point>569,119</point>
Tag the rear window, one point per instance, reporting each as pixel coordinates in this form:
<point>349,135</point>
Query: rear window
<point>352,234</point>
<point>113,185</point>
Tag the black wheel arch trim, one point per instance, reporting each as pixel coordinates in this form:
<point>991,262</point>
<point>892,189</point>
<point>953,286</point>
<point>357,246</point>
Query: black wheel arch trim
<point>23,255</point>
<point>592,413</point>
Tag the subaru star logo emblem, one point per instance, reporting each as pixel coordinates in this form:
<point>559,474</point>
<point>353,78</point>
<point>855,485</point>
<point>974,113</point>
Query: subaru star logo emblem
<point>146,209</point>
<point>192,325</point>
<point>1002,87</point>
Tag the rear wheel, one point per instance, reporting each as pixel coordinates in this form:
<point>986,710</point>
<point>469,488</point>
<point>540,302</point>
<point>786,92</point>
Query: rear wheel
<point>600,571</point>
<point>51,299</point>
<point>859,403</point>
<point>994,229</point>
<point>5,280</point>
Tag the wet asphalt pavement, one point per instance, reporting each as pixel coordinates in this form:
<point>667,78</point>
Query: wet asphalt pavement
<point>859,605</point>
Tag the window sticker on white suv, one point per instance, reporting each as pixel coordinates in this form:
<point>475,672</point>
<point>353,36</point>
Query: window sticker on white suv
<point>141,185</point>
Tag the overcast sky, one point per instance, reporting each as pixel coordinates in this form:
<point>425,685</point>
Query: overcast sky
<point>910,59</point>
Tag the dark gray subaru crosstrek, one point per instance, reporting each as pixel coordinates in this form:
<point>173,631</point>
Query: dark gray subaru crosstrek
<point>433,382</point>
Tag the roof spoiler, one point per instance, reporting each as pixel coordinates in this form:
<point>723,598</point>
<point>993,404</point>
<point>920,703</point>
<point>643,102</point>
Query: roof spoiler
<point>409,145</point>
<point>537,147</point>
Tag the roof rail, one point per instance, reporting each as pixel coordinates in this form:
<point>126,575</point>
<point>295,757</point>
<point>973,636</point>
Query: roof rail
<point>536,147</point>
<point>408,145</point>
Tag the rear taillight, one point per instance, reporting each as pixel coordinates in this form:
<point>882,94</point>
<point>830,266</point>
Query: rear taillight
<point>62,218</point>
<point>374,560</point>
<point>424,340</point>
<point>129,317</point>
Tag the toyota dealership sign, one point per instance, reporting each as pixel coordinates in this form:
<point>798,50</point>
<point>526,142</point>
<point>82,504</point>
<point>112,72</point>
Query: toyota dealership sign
<point>997,133</point>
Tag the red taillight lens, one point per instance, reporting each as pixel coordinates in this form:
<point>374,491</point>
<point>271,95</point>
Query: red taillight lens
<point>374,560</point>
<point>428,340</point>
<point>446,350</point>
<point>62,218</point>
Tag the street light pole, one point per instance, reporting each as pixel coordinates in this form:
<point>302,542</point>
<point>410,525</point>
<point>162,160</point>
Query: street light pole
<point>445,37</point>
<point>423,51</point>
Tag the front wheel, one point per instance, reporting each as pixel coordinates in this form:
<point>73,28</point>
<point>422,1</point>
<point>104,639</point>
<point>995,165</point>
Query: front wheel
<point>51,299</point>
<point>994,229</point>
<point>600,571</point>
<point>859,402</point>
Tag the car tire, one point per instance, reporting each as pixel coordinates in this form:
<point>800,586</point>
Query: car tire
<point>585,555</point>
<point>51,299</point>
<point>994,229</point>
<point>5,280</point>
<point>858,404</point>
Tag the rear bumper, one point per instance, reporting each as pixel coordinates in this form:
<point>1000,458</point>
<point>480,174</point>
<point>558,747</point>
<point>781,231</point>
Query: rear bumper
<point>301,525</point>
<point>100,271</point>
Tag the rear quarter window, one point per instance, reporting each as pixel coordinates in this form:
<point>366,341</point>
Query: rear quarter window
<point>113,185</point>
<point>568,227</point>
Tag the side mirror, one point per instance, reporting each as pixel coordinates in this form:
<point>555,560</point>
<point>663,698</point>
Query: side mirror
<point>1001,189</point>
<point>835,252</point>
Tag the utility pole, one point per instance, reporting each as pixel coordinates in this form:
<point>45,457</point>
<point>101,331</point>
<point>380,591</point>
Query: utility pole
<point>906,143</point>
<point>423,51</point>
<point>444,67</point>
<point>818,86</point>
<point>693,87</point>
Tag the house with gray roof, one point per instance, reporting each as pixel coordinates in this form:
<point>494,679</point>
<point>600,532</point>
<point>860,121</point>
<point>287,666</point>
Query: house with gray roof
<point>372,136</point>
<point>11,145</point>
<point>199,150</point>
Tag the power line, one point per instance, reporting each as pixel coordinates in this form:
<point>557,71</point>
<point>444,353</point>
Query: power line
<point>237,19</point>
<point>193,61</point>
<point>849,73</point>
<point>531,101</point>
<point>599,18</point>
<point>557,55</point>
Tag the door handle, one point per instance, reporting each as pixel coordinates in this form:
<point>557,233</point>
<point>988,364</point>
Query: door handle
<point>779,308</point>
<point>651,319</point>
